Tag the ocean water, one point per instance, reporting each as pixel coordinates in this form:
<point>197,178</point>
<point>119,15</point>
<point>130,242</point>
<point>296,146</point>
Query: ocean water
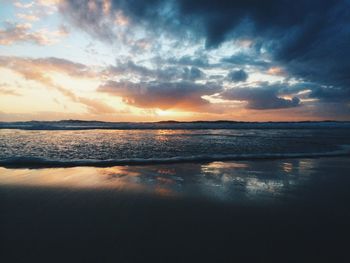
<point>229,182</point>
<point>108,147</point>
<point>228,190</point>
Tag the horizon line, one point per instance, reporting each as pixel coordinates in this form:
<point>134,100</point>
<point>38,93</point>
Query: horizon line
<point>176,121</point>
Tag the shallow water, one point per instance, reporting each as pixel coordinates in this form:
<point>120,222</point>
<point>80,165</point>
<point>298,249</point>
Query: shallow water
<point>270,180</point>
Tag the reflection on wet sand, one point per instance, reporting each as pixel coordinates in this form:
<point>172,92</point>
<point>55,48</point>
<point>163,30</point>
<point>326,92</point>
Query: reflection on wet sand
<point>225,181</point>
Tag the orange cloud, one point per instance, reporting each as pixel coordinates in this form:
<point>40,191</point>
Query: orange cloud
<point>28,17</point>
<point>36,70</point>
<point>23,5</point>
<point>6,90</point>
<point>48,2</point>
<point>22,33</point>
<point>33,66</point>
<point>163,95</point>
<point>275,71</point>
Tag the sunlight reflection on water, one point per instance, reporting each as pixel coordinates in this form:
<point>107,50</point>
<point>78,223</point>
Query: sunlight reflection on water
<point>159,144</point>
<point>224,181</point>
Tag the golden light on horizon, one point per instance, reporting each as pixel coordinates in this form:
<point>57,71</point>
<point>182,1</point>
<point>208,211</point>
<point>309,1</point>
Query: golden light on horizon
<point>117,69</point>
<point>171,113</point>
<point>160,112</point>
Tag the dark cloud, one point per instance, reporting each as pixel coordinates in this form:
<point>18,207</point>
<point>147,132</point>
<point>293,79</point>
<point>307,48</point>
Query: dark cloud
<point>260,98</point>
<point>162,95</point>
<point>196,61</point>
<point>243,59</point>
<point>192,73</point>
<point>309,38</point>
<point>268,18</point>
<point>328,110</point>
<point>238,75</point>
<point>327,94</point>
<point>215,20</point>
<point>89,16</point>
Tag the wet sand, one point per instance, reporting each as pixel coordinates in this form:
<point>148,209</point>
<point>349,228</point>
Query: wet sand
<point>275,210</point>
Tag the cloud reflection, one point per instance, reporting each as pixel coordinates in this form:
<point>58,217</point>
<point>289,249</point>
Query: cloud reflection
<point>224,181</point>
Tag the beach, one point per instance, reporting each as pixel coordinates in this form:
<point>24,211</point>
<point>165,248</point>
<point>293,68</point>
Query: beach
<point>174,131</point>
<point>286,210</point>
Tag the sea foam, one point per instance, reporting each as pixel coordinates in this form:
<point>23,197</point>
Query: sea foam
<point>36,162</point>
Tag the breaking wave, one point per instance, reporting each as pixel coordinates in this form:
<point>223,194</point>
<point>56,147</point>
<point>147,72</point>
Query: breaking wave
<point>36,162</point>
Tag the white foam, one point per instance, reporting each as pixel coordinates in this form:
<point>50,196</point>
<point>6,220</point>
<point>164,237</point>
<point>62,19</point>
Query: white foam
<point>36,162</point>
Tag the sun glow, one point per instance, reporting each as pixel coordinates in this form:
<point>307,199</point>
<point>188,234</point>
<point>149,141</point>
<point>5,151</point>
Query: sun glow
<point>162,113</point>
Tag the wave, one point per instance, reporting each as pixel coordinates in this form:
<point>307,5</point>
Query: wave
<point>36,162</point>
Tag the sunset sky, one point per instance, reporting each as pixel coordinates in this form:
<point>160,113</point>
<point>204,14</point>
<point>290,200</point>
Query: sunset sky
<point>133,60</point>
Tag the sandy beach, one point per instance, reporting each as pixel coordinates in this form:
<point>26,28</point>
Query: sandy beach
<point>288,210</point>
<point>174,131</point>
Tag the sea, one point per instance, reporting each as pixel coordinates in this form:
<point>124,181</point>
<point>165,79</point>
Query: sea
<point>174,191</point>
<point>86,143</point>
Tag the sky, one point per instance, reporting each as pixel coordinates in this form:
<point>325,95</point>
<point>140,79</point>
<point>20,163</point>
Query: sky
<point>134,60</point>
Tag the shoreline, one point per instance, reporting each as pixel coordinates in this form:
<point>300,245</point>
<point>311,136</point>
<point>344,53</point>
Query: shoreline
<point>275,175</point>
<point>38,163</point>
<point>289,210</point>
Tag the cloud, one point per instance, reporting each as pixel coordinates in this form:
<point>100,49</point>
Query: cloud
<point>213,20</point>
<point>327,94</point>
<point>163,95</point>
<point>48,3</point>
<point>19,4</point>
<point>5,89</point>
<point>37,69</point>
<point>91,16</point>
<point>197,61</point>
<point>238,75</point>
<point>192,73</point>
<point>129,67</point>
<point>28,17</point>
<point>183,94</point>
<point>51,64</point>
<point>246,59</point>
<point>160,73</point>
<point>308,39</point>
<point>260,98</point>
<point>35,10</point>
<point>20,33</point>
<point>64,66</point>
<point>13,33</point>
